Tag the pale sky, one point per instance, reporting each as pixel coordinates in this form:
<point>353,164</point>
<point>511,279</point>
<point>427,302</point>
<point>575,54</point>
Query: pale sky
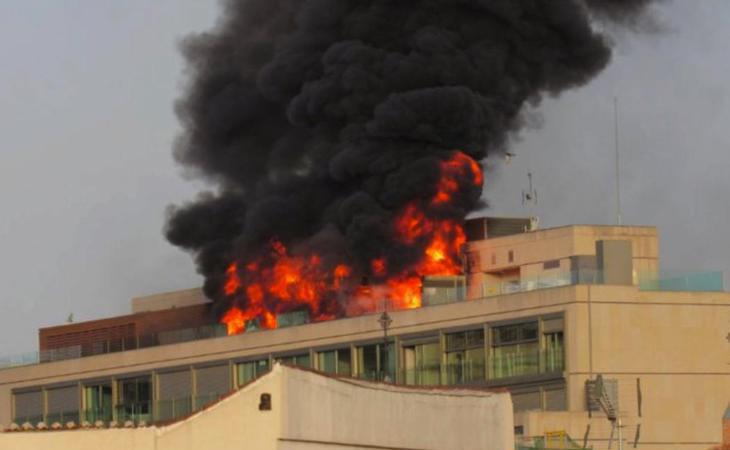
<point>86,124</point>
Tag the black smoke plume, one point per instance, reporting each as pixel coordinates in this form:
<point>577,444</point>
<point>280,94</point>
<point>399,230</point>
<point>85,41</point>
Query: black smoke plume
<point>318,120</point>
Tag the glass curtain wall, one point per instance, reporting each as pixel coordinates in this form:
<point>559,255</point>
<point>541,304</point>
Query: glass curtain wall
<point>97,402</point>
<point>515,350</point>
<point>335,361</point>
<point>250,370</point>
<point>422,364</point>
<point>465,356</point>
<point>135,399</point>
<point>371,363</point>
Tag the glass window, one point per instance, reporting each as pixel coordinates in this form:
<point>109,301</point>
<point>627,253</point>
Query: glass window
<point>553,355</point>
<point>97,402</point>
<point>334,361</point>
<point>465,356</point>
<point>371,362</point>
<point>515,350</point>
<point>135,396</point>
<point>510,334</point>
<point>250,370</point>
<point>423,364</point>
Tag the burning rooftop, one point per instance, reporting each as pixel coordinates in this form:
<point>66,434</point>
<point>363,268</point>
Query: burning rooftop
<point>345,139</point>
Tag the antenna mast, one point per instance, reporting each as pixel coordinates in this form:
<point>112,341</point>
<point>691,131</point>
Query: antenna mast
<point>618,174</point>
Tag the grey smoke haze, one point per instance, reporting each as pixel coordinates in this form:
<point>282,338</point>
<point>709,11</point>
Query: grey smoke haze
<point>85,165</point>
<point>322,120</point>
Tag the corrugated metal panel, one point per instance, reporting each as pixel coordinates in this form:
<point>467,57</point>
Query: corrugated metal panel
<point>214,380</point>
<point>174,385</point>
<point>63,400</point>
<point>28,405</point>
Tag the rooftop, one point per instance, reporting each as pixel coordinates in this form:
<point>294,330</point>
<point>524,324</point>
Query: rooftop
<point>497,266</point>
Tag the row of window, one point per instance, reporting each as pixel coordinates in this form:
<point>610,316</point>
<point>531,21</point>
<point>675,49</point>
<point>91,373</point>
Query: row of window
<point>464,357</point>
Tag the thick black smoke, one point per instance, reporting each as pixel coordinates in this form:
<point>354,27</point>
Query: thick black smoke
<point>318,120</point>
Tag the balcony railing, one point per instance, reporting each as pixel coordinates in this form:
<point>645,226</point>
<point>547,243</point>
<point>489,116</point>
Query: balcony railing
<point>114,345</point>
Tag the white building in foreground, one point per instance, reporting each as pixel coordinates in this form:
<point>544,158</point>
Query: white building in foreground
<point>292,409</point>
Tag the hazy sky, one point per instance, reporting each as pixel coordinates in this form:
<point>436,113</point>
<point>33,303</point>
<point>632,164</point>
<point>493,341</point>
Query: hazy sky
<point>86,124</point>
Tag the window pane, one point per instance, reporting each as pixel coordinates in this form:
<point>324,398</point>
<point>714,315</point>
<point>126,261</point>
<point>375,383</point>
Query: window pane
<point>528,331</point>
<point>246,372</point>
<point>327,361</point>
<point>343,361</point>
<point>503,335</point>
<point>515,360</point>
<point>475,338</point>
<point>427,364</point>
<point>554,361</point>
<point>515,333</point>
<point>368,362</point>
<point>302,360</point>
<point>455,341</point>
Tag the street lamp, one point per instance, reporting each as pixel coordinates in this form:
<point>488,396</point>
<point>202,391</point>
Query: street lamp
<point>384,320</point>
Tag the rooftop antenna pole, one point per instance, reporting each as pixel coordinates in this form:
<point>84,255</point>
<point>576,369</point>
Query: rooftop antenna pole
<point>529,198</point>
<point>618,174</point>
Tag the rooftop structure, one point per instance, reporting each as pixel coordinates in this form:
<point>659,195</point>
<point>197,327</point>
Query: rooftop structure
<point>540,313</point>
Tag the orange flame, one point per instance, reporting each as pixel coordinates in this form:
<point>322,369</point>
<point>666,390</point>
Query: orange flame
<point>287,282</point>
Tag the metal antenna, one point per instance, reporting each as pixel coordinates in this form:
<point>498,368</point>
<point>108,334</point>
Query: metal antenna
<point>529,198</point>
<point>618,173</point>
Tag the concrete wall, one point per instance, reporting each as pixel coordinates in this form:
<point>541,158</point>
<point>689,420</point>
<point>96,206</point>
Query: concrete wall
<point>673,343</point>
<point>119,439</point>
<point>324,410</point>
<point>563,242</point>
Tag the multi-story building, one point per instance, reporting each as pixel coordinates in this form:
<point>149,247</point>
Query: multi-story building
<point>541,313</point>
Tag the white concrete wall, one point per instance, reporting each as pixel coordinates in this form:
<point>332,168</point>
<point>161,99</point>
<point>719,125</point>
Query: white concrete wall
<point>357,415</point>
<point>119,439</point>
<point>311,411</point>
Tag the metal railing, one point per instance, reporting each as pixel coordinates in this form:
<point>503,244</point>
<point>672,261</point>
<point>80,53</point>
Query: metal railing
<point>114,345</point>
<point>682,281</point>
<point>136,412</point>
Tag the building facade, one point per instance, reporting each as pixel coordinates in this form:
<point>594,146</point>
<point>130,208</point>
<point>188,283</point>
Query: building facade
<point>540,313</point>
